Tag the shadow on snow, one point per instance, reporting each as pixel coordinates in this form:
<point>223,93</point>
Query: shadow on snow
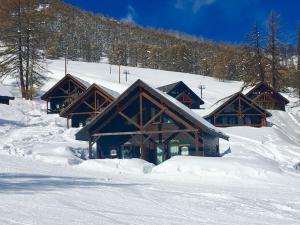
<point>19,183</point>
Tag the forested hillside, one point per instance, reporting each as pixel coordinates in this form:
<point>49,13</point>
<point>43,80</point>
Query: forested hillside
<point>88,37</point>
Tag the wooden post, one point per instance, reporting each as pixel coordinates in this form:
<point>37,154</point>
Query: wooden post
<point>141,111</point>
<point>196,143</point>
<point>142,146</point>
<point>90,149</point>
<point>68,126</point>
<point>95,102</point>
<point>264,120</point>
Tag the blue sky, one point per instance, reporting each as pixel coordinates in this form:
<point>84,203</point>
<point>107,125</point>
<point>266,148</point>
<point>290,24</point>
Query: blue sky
<point>218,20</point>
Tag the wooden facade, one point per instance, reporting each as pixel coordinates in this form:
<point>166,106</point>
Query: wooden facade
<point>265,96</point>
<point>87,105</point>
<point>143,123</point>
<point>183,93</point>
<point>63,93</point>
<point>237,110</point>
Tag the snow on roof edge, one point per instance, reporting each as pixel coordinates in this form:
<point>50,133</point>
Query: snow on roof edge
<point>5,92</point>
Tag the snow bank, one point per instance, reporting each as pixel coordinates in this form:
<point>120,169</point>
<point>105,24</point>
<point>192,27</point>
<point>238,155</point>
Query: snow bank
<point>133,166</point>
<point>215,168</point>
<point>10,114</point>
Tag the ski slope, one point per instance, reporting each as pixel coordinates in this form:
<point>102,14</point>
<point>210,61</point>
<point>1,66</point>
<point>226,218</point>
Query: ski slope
<point>45,179</point>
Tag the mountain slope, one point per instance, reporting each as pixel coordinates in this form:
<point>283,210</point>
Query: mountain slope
<point>44,178</point>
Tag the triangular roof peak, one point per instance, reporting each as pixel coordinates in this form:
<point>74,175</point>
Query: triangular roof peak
<point>169,87</point>
<point>167,100</point>
<point>104,91</point>
<point>220,104</point>
<point>81,83</point>
<point>269,86</point>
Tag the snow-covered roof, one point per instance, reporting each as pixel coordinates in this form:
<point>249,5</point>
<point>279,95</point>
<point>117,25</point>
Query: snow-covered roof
<point>215,106</point>
<point>85,83</point>
<point>4,92</point>
<point>179,107</point>
<point>81,82</point>
<point>109,91</point>
<point>190,112</point>
<point>112,96</point>
<point>169,87</point>
<point>221,102</point>
<point>247,91</point>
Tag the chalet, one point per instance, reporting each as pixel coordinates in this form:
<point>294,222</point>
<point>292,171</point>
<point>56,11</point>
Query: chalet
<point>265,96</point>
<point>184,94</point>
<point>64,92</point>
<point>5,95</point>
<point>88,105</point>
<point>146,123</point>
<point>237,110</point>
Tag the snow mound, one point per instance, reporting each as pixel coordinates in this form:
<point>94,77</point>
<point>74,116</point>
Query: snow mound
<point>219,167</point>
<point>9,114</point>
<point>132,166</point>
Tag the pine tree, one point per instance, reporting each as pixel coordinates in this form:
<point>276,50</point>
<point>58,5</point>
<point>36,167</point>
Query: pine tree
<point>22,58</point>
<point>273,46</point>
<point>256,42</point>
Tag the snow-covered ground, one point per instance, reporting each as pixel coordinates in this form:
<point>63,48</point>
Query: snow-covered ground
<point>45,179</point>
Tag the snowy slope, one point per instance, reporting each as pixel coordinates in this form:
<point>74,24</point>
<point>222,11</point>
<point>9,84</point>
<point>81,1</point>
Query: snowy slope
<point>45,179</point>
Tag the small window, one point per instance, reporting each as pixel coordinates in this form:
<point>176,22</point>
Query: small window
<point>185,150</point>
<point>113,153</point>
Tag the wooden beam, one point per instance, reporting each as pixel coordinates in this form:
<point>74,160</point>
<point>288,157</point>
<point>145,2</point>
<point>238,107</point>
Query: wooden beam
<point>196,142</point>
<point>95,101</point>
<point>168,112</point>
<point>119,109</point>
<point>143,152</point>
<point>253,106</point>
<point>84,113</point>
<point>147,138</point>
<point>130,120</point>
<point>144,132</point>
<point>63,90</point>
<point>141,111</point>
<point>105,95</point>
<point>90,149</point>
<point>90,106</point>
<point>99,108</point>
<point>54,97</point>
<point>154,117</point>
<point>170,137</point>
